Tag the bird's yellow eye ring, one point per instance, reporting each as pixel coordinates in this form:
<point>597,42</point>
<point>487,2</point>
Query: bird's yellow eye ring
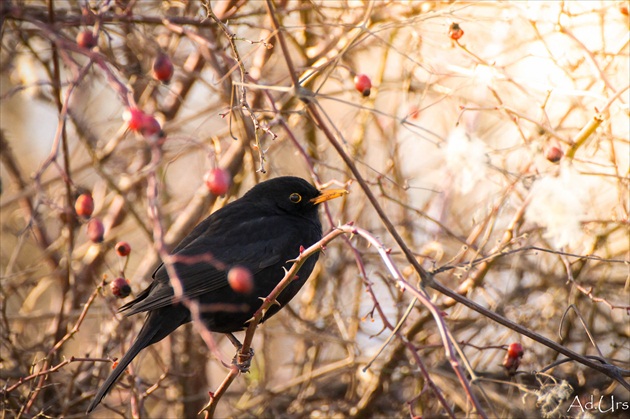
<point>295,198</point>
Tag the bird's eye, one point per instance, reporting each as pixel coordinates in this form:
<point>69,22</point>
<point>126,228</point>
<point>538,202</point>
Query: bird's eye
<point>295,198</point>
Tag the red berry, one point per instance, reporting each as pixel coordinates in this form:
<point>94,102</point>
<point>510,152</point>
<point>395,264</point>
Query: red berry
<point>218,181</point>
<point>84,205</point>
<point>240,279</point>
<point>363,84</point>
<point>623,8</point>
<point>414,112</point>
<point>95,230</point>
<point>134,118</point>
<point>554,154</point>
<point>163,68</point>
<point>455,32</point>
<point>515,350</point>
<point>150,126</point>
<point>86,39</point>
<point>512,359</point>
<point>123,248</point>
<point>141,122</point>
<point>120,287</point>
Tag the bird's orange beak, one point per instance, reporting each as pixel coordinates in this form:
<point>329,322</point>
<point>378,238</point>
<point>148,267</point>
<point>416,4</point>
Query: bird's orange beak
<point>327,195</point>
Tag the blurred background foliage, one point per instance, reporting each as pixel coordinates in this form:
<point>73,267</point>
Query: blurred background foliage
<point>495,137</point>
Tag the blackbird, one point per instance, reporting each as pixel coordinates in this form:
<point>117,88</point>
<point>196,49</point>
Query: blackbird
<point>261,231</point>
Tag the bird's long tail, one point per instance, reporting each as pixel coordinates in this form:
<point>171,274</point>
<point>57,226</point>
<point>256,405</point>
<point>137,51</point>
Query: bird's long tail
<point>152,331</point>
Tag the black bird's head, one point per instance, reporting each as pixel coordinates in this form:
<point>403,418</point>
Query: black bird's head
<point>291,195</point>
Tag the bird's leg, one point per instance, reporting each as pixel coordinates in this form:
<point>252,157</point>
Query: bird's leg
<point>242,361</point>
<point>237,343</point>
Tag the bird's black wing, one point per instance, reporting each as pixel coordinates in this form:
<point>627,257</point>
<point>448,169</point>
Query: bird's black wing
<point>202,264</point>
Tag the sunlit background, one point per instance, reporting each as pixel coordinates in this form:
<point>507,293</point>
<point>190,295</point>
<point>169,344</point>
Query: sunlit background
<point>495,136</point>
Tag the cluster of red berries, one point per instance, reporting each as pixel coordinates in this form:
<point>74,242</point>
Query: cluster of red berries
<point>84,207</point>
<point>161,70</point>
<point>120,286</point>
<point>239,278</point>
<point>139,121</point>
